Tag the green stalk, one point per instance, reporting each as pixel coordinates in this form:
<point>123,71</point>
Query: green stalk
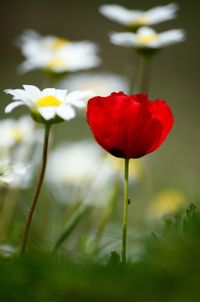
<point>144,72</point>
<point>71,224</point>
<point>125,212</point>
<point>104,220</point>
<point>37,190</point>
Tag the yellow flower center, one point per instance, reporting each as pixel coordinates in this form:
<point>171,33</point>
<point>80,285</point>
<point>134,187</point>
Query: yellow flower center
<point>48,101</point>
<point>16,134</point>
<point>147,38</point>
<point>59,43</point>
<point>56,62</point>
<point>166,202</point>
<point>142,20</point>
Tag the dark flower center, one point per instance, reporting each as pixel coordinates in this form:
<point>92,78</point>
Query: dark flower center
<point>117,152</point>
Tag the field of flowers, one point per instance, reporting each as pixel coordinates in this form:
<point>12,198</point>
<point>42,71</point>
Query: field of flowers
<point>99,159</point>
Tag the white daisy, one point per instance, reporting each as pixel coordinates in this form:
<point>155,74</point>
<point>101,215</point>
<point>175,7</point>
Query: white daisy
<point>49,104</point>
<point>86,175</point>
<point>15,131</point>
<point>56,54</point>
<point>101,83</point>
<point>89,172</point>
<point>19,141</point>
<point>76,56</point>
<point>32,43</point>
<point>146,37</point>
<point>137,18</point>
<point>14,175</point>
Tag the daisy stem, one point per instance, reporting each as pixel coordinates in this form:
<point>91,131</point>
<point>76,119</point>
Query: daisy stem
<point>144,72</point>
<point>37,190</point>
<point>125,212</point>
<point>132,73</point>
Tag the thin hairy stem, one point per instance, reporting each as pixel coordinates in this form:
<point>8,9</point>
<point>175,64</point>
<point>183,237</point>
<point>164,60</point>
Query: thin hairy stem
<point>37,190</point>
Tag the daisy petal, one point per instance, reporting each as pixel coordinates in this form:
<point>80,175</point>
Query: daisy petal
<point>119,13</point>
<point>172,37</point>
<point>123,39</point>
<point>47,113</point>
<point>78,98</point>
<point>12,106</point>
<point>26,66</point>
<point>65,112</point>
<point>146,31</point>
<point>61,94</point>
<point>48,91</point>
<point>18,94</point>
<point>33,91</point>
<point>162,13</point>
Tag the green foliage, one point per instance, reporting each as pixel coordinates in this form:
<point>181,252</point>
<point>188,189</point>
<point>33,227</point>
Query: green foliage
<point>114,258</point>
<point>168,271</point>
<point>191,221</point>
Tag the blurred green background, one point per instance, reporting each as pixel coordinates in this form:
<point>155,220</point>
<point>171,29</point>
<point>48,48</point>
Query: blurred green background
<point>175,76</point>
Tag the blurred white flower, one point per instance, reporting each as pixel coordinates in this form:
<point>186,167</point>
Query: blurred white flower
<point>83,170</point>
<point>146,37</point>
<point>78,168</point>
<point>20,141</point>
<point>56,54</point>
<point>15,131</point>
<point>49,103</point>
<point>101,83</point>
<point>14,175</point>
<point>32,43</point>
<point>7,250</point>
<point>137,18</point>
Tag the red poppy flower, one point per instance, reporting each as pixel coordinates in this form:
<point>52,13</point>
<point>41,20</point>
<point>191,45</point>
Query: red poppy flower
<point>129,126</point>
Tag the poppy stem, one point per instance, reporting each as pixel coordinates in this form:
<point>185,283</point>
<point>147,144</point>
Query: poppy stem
<point>37,190</point>
<point>143,74</point>
<point>125,212</point>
